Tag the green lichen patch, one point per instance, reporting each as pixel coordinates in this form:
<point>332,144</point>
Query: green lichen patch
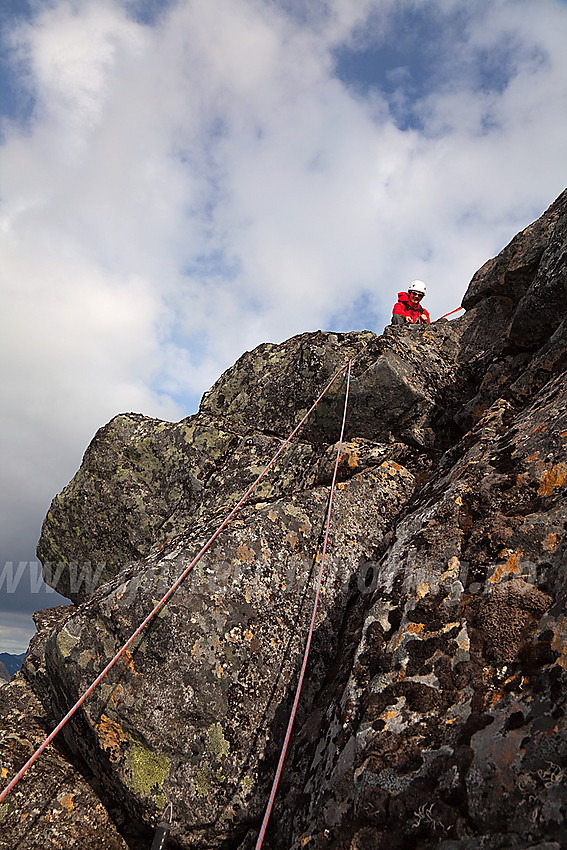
<point>203,780</point>
<point>218,745</point>
<point>148,771</point>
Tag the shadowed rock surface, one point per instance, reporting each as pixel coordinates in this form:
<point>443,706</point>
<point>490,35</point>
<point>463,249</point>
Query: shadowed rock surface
<point>54,807</point>
<point>433,710</point>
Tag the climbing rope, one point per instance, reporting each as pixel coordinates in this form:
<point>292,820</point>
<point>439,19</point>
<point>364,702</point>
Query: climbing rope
<point>311,629</point>
<point>444,316</point>
<point>164,827</point>
<point>171,590</point>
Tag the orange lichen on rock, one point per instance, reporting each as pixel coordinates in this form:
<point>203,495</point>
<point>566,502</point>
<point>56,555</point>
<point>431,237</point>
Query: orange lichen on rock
<point>246,554</point>
<point>67,802</point>
<point>111,736</point>
<point>511,566</point>
<point>552,478</point>
<point>129,661</point>
<point>350,455</point>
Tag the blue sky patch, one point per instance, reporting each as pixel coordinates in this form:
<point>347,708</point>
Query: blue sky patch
<point>148,12</point>
<point>421,53</point>
<point>16,102</point>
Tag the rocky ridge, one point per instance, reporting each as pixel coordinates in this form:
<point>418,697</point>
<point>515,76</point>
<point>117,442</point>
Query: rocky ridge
<point>433,712</point>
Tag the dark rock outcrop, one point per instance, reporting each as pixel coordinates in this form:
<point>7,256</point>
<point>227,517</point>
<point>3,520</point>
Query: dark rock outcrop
<point>54,806</point>
<point>433,713</point>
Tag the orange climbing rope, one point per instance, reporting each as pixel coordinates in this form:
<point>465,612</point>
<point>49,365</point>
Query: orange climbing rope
<point>171,590</point>
<point>311,628</point>
<point>444,316</point>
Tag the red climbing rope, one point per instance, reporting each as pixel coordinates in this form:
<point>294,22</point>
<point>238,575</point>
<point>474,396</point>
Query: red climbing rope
<point>171,590</point>
<point>444,316</point>
<point>310,634</point>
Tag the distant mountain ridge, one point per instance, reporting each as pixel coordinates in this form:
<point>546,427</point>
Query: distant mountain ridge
<point>10,664</point>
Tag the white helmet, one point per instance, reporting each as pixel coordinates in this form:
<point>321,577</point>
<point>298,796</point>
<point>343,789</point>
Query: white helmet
<point>417,286</point>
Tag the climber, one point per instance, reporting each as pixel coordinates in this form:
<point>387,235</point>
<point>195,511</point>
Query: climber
<point>408,308</point>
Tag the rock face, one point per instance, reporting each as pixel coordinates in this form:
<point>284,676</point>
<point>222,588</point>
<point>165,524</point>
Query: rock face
<point>55,807</point>
<point>433,709</point>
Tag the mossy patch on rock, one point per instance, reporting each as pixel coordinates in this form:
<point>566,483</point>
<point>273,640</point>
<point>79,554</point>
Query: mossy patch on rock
<point>148,771</point>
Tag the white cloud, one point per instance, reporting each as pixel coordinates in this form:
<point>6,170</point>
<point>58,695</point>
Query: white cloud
<point>187,190</point>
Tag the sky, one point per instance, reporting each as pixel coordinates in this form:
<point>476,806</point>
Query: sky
<point>182,180</point>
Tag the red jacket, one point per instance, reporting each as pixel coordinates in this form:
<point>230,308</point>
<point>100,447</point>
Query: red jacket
<point>404,308</point>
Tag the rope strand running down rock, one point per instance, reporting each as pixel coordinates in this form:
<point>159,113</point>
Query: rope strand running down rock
<point>169,593</point>
<point>311,628</point>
